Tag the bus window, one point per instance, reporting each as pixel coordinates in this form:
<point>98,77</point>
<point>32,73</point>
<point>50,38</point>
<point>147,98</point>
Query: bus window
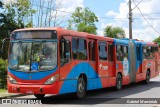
<point>156,49</point>
<point>119,53</point>
<point>152,51</point>
<point>144,52</point>
<point>138,53</point>
<point>64,51</point>
<point>91,50</point>
<point>110,52</point>
<point>125,52</point>
<point>147,53</point>
<point>102,51</point>
<point>82,49</point>
<point>74,48</point>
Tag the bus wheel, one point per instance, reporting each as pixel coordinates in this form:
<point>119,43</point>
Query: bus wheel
<point>147,77</point>
<point>39,96</point>
<point>81,88</point>
<point>119,82</point>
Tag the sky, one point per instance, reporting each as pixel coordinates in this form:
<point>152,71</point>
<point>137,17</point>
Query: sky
<point>146,26</point>
<point>117,12</point>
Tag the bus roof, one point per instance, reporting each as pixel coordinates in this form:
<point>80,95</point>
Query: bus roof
<point>121,41</point>
<point>65,32</point>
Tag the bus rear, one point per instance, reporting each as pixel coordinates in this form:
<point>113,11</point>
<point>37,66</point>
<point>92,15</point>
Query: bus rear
<point>33,62</point>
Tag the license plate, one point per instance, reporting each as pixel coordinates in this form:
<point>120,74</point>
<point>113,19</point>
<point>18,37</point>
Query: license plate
<point>29,92</point>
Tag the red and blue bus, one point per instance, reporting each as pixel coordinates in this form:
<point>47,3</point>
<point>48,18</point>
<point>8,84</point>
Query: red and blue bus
<point>58,61</point>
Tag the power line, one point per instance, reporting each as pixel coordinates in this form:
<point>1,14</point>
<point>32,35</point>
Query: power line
<point>145,18</point>
<point>154,18</point>
<point>138,4</point>
<point>102,17</point>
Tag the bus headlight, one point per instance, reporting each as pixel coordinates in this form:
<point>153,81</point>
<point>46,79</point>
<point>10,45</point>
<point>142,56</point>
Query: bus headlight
<point>12,80</point>
<point>52,79</point>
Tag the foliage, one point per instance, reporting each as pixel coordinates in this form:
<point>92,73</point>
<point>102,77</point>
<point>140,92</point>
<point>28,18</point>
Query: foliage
<point>157,40</point>
<point>3,90</point>
<point>15,15</point>
<point>114,32</point>
<point>84,20</point>
<point>3,73</point>
<point>21,12</point>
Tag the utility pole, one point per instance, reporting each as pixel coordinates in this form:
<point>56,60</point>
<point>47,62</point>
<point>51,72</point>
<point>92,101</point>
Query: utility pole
<point>130,20</point>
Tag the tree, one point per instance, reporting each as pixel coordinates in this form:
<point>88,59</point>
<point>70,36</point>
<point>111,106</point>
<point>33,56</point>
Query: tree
<point>15,15</point>
<point>84,20</point>
<point>114,32</point>
<point>21,12</point>
<point>157,40</point>
<point>48,13</point>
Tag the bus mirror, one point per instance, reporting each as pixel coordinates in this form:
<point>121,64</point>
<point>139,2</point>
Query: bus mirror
<point>3,43</point>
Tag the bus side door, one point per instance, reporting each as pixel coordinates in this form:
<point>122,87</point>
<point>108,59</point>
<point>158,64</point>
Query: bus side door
<point>103,61</point>
<point>111,72</point>
<point>65,59</point>
<point>92,58</point>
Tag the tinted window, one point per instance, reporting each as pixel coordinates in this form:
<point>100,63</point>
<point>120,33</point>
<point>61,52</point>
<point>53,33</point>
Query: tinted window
<point>74,48</point>
<point>138,52</point>
<point>64,51</point>
<point>92,51</point>
<point>121,52</point>
<point>102,51</point>
<point>156,49</point>
<point>110,52</point>
<point>82,53</point>
<point>147,52</point>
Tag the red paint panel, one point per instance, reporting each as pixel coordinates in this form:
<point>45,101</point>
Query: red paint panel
<point>105,82</point>
<point>103,68</point>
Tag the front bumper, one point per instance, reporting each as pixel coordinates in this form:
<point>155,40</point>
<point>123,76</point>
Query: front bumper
<point>34,89</point>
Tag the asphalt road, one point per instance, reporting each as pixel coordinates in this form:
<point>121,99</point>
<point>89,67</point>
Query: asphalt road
<point>104,97</point>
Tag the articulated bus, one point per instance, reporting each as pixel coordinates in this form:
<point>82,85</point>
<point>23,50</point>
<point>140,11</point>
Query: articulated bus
<point>58,61</point>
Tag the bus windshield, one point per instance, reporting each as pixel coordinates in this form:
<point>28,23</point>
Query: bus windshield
<point>33,56</point>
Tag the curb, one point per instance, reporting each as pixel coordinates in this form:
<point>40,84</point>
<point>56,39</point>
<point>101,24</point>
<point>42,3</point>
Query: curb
<point>11,96</point>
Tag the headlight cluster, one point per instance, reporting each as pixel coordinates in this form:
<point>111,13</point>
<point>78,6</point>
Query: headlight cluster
<point>12,80</point>
<point>52,79</point>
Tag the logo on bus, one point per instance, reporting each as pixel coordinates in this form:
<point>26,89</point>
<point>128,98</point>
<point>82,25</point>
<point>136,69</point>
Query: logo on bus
<point>103,67</point>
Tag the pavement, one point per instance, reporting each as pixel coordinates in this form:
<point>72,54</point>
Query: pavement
<point>10,95</point>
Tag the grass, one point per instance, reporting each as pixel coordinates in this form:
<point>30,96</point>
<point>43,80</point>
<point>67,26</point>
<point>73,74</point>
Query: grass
<point>3,90</point>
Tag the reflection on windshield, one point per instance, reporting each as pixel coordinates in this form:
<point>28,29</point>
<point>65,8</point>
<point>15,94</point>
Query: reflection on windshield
<point>37,56</point>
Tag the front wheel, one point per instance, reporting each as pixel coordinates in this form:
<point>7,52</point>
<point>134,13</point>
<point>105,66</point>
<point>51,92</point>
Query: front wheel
<point>119,82</point>
<point>39,96</point>
<point>81,88</point>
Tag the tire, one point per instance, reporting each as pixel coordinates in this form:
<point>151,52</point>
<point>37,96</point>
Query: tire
<point>147,77</point>
<point>118,82</point>
<point>39,96</point>
<point>81,88</point>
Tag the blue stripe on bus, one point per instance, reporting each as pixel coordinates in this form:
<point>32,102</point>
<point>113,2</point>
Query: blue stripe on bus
<point>34,75</point>
<point>70,85</point>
